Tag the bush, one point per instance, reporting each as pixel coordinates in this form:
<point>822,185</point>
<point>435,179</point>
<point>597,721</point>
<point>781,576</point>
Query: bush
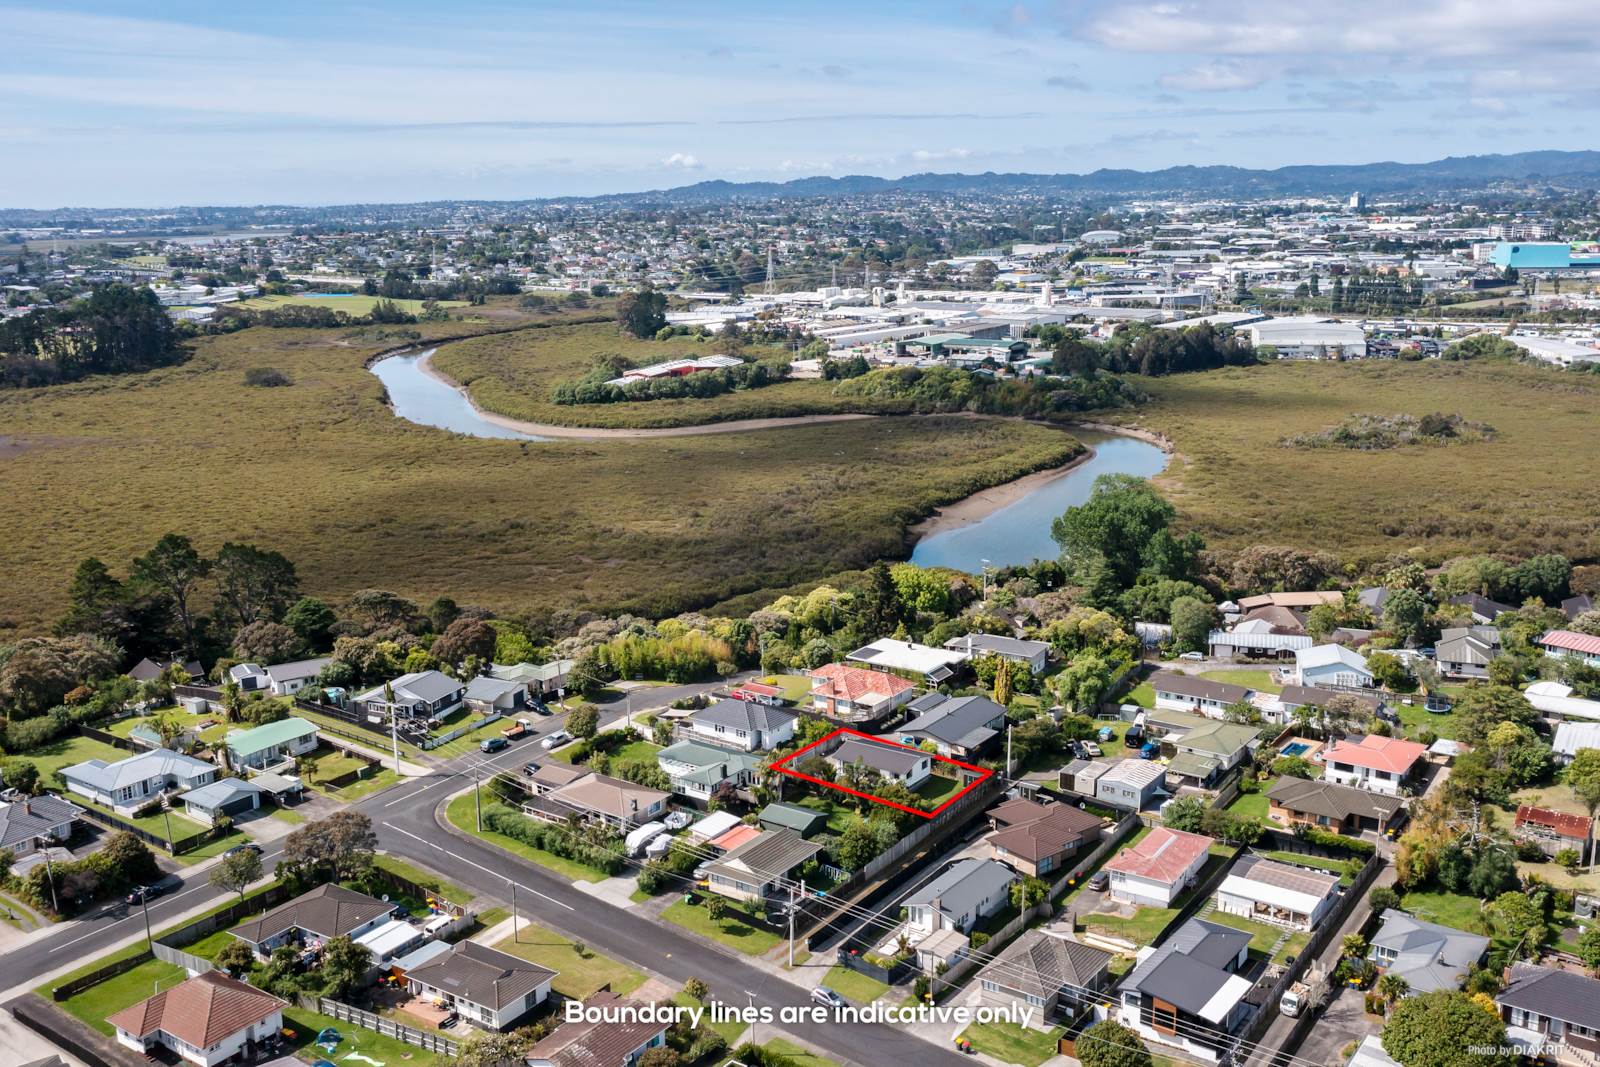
<point>1326,839</point>
<point>267,377</point>
<point>557,840</point>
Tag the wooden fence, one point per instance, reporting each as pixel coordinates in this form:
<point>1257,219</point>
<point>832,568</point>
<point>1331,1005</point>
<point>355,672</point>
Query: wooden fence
<point>187,960</point>
<point>67,990</point>
<point>409,1035</point>
<point>106,738</point>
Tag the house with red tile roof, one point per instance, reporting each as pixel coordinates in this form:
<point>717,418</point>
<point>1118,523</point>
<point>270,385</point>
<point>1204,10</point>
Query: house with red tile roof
<point>1559,643</point>
<point>856,693</point>
<point>1381,764</point>
<point>1554,830</point>
<point>206,1020</point>
<point>1156,869</point>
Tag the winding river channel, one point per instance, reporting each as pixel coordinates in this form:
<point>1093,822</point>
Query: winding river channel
<point>1005,525</point>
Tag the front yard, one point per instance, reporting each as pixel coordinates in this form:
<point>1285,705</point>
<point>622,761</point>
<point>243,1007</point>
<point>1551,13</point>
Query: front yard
<point>97,1003</point>
<point>1012,1043</point>
<point>1259,680</point>
<point>579,974</point>
<point>853,985</point>
<point>462,813</point>
<point>730,930</point>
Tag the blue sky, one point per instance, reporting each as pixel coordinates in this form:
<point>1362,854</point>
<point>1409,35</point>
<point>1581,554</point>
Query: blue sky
<point>116,104</point>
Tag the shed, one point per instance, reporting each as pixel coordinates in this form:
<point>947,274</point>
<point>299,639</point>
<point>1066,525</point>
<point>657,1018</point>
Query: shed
<point>803,821</point>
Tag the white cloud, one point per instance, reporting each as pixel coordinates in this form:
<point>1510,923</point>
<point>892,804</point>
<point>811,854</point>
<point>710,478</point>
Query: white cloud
<point>1215,77</point>
<point>681,161</point>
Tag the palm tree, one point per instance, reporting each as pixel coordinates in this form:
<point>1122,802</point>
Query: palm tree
<point>1392,987</point>
<point>1354,946</point>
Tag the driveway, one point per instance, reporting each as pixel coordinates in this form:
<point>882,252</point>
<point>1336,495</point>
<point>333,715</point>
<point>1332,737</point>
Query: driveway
<point>1344,1021</point>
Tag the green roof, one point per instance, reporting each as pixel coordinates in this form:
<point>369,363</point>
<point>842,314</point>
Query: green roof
<point>708,761</point>
<point>1190,765</point>
<point>795,817</point>
<point>248,742</point>
<point>1215,738</point>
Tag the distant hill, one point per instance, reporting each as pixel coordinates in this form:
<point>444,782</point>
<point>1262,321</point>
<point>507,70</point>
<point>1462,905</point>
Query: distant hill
<point>1567,169</point>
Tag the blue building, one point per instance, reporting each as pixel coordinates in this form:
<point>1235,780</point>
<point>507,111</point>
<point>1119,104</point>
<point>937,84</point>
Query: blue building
<point>1542,255</point>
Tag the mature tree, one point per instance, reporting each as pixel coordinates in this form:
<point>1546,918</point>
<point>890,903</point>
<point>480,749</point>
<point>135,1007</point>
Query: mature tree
<point>463,638</point>
<point>1393,987</point>
<point>1084,683</point>
<point>1434,1029</point>
<point>1520,920</point>
<point>313,620</point>
<point>1482,707</point>
<point>1583,778</point>
<point>1405,614</point>
<point>266,642</point>
<point>441,613</point>
<point>175,569</point>
<point>1588,947</point>
<point>130,857</point>
<point>379,609</point>
<point>1120,532</point>
<point>1192,620</point>
<point>1186,813</point>
<point>96,604</point>
<point>41,671</point>
<point>253,584</point>
<point>236,958</point>
<point>343,967</point>
<point>1110,1044</point>
<point>642,313</point>
<point>20,774</point>
<point>486,1048</point>
<point>236,871</point>
<point>1295,767</point>
<point>659,1056</point>
<point>583,721</point>
<point>342,844</point>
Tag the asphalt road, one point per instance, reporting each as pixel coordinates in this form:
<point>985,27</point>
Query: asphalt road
<point>404,817</point>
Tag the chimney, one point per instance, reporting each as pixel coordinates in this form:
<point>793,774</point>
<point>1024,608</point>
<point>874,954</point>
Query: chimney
<point>969,646</point>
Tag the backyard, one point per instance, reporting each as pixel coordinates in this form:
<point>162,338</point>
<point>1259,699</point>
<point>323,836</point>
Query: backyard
<point>1252,802</point>
<point>214,730</point>
<point>1013,1043</point>
<point>1263,935</point>
<point>66,751</point>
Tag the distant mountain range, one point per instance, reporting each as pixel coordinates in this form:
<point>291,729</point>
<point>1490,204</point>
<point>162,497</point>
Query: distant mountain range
<point>1565,169</point>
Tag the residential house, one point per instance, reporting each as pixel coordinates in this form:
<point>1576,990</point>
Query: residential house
<point>968,892</point>
<point>1154,870</point>
<point>1544,1004</point>
<point>959,727</point>
<point>922,664</point>
<point>699,770</point>
<point>287,679</point>
<point>264,746</point>
<point>1080,775</point>
<point>131,783</point>
<point>760,867</point>
<point>1299,600</point>
<point>488,695</point>
<point>1465,651</point>
<point>1048,972</point>
<point>419,695</point>
<point>148,670</point>
<point>1188,993</point>
<point>486,987</point>
<point>1176,691</point>
<point>1277,893</point>
<point>1481,608</point>
<point>1381,764</point>
<point>1036,654</point>
<point>249,677</point>
<point>1273,619</point>
<point>541,680</point>
<point>1133,784</point>
<point>603,799</point>
<point>1562,643</point>
<point>1241,643</point>
<point>908,766</point>
<point>1555,702</point>
<point>1571,737</point>
<point>317,915</point>
<point>225,798</point>
<point>1341,808</point>
<point>1203,750</point>
<point>743,724</point>
<point>1295,697</point>
<point>206,1020</point>
<point>544,777</point>
<point>1331,665</point>
<point>1428,956</point>
<point>1554,831</point>
<point>599,1044</point>
<point>29,823</point>
<point>857,694</point>
<point>758,693</point>
<point>1039,839</point>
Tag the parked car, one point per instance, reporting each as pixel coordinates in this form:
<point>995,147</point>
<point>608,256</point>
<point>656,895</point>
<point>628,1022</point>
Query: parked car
<point>560,737</point>
<point>1149,750</point>
<point>1094,750</point>
<point>827,997</point>
<point>1099,880</point>
<point>518,730</point>
<point>248,846</point>
<point>1134,737</point>
<point>143,893</point>
<point>1193,655</point>
<point>1077,750</point>
<point>530,769</point>
<point>492,744</point>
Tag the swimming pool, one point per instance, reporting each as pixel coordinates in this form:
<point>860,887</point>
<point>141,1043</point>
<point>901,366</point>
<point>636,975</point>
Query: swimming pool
<point>1295,748</point>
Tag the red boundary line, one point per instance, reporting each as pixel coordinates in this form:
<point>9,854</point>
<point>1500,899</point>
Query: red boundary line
<point>983,773</point>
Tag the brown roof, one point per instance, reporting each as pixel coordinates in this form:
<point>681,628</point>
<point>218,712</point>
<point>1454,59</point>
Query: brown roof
<point>1033,831</point>
<point>1563,823</point>
<point>553,775</point>
<point>326,911</point>
<point>1282,620</point>
<point>200,1012</point>
<point>1308,599</point>
<point>609,796</point>
<point>1187,685</point>
<point>1332,800</point>
<point>1042,965</point>
<point>1297,695</point>
<point>595,1044</point>
<point>481,975</point>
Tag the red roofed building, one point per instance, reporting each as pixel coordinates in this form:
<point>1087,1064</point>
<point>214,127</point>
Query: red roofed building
<point>1381,764</point>
<point>206,1020</point>
<point>857,694</point>
<point>1554,830</point>
<point>1559,643</point>
<point>1155,870</point>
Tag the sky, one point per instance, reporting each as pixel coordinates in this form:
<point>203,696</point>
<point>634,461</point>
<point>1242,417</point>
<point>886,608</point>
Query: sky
<point>156,104</point>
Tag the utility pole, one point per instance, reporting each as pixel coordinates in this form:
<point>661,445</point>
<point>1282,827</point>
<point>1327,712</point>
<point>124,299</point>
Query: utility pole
<point>394,737</point>
<point>516,928</point>
<point>791,925</point>
<point>1008,749</point>
<point>477,797</point>
<point>771,271</point>
<point>50,874</point>
<point>167,819</point>
<point>144,902</point>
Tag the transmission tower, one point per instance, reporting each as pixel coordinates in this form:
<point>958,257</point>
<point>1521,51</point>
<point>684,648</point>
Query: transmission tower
<point>772,271</point>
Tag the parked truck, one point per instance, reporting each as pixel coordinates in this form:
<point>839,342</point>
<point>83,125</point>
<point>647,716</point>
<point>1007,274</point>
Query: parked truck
<point>1294,999</point>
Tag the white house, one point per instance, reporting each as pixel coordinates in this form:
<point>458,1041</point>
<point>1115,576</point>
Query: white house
<point>1331,665</point>
<point>421,694</point>
<point>1277,893</point>
<point>1036,654</point>
<point>129,784</point>
<point>206,1020</point>
<point>928,665</point>
<point>31,822</point>
<point>966,894</point>
<point>1176,691</point>
<point>698,770</point>
<point>1154,870</point>
<point>743,724</point>
<point>908,766</point>
<point>263,746</point>
<point>1381,764</point>
<point>486,987</point>
<point>1561,643</point>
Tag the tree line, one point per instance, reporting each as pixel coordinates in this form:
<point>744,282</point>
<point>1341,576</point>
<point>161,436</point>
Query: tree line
<point>116,329</point>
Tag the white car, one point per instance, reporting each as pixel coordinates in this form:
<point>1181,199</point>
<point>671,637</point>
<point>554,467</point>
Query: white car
<point>555,740</point>
<point>1192,655</point>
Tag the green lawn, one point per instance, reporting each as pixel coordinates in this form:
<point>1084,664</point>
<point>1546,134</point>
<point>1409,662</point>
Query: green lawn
<point>378,743</point>
<point>468,741</point>
<point>1012,1043</point>
<point>1142,928</point>
<point>1143,694</point>
<point>354,303</point>
<point>1262,935</point>
<point>729,931</point>
<point>1416,719</point>
<point>839,816</point>
<point>65,751</point>
<point>577,976</point>
<point>937,787</point>
<point>306,1025</point>
<point>211,944</point>
<point>95,1004</point>
<point>1261,681</point>
<point>288,815</point>
<point>374,783</point>
<point>463,816</point>
<point>431,882</point>
<point>633,750</point>
<point>1321,863</point>
<point>210,735</point>
<point>796,687</point>
<point>1447,909</point>
<point>1252,800</point>
<point>861,988</point>
<point>797,1055</point>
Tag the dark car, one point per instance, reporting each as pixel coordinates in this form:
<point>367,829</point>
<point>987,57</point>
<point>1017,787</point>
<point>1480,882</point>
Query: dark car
<point>248,846</point>
<point>492,744</point>
<point>143,893</point>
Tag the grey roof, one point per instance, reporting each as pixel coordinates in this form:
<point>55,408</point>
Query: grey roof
<point>297,669</point>
<point>745,715</point>
<point>140,767</point>
<point>1467,644</point>
<point>1294,696</point>
<point>428,950</point>
<point>326,911</point>
<point>1041,964</point>
<point>1199,688</point>
<point>964,886</point>
<point>1429,956</point>
<point>1004,646</point>
<point>1210,943</point>
<point>771,854</point>
<point>491,689</point>
<point>1317,797</point>
<point>147,668</point>
<point>1572,998</point>
<point>1574,606</point>
<point>23,820</point>
<point>223,791</point>
<point>1191,966</point>
<point>803,820</point>
<point>482,975</point>
<point>241,671</point>
<point>428,686</point>
<point>879,755</point>
<point>1285,876</point>
<point>1482,605</point>
<point>963,721</point>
